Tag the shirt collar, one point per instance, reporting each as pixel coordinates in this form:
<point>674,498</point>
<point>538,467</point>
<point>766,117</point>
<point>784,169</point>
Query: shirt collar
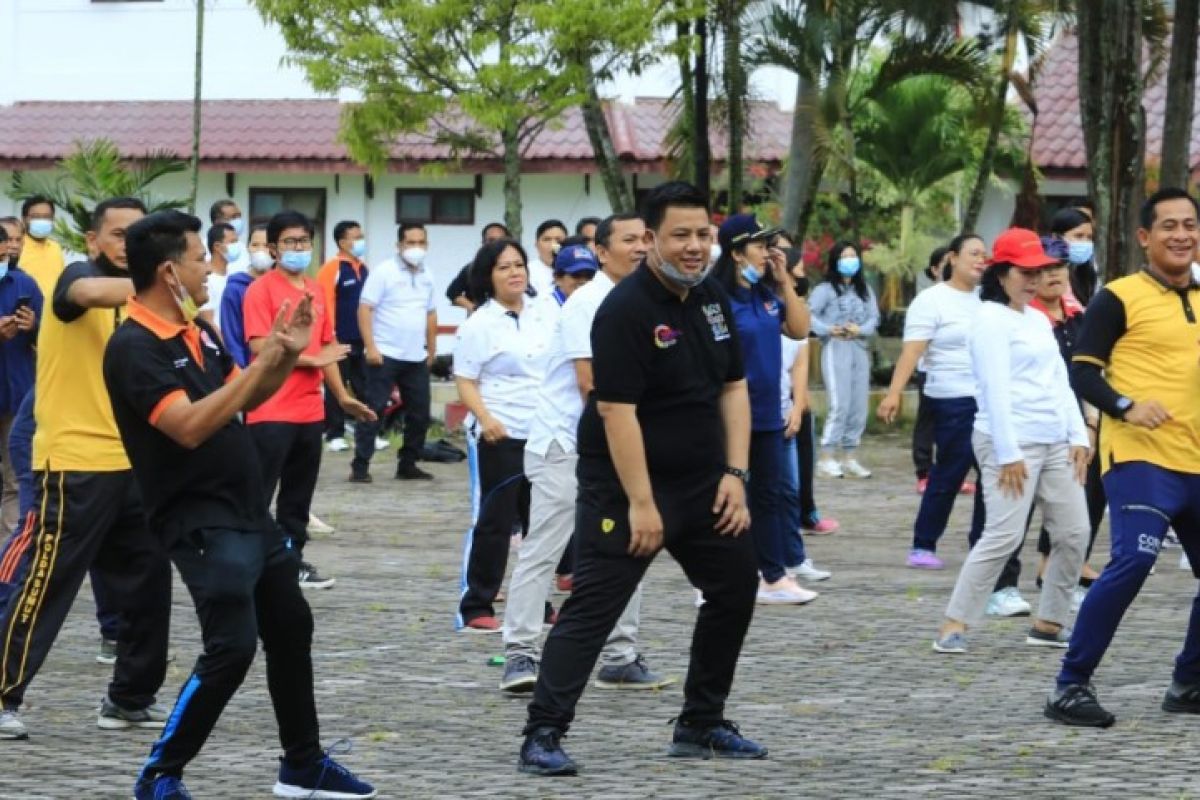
<point>1192,283</point>
<point>656,289</point>
<point>162,328</point>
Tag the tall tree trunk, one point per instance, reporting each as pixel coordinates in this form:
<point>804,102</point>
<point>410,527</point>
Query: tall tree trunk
<point>800,155</point>
<point>196,99</point>
<point>512,181</point>
<point>995,121</point>
<point>1181,92</point>
<point>687,94</point>
<point>810,199</point>
<point>735,99</point>
<point>1110,93</point>
<point>596,122</point>
<point>852,181</point>
<point>702,149</point>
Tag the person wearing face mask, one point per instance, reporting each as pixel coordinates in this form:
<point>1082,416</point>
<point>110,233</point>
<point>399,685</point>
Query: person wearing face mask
<point>287,428</point>
<point>341,280</point>
<point>397,315</point>
<point>227,212</point>
<point>845,315</point>
<point>20,312</point>
<point>765,304</point>
<point>16,239</point>
<point>1074,228</point>
<point>41,257</point>
<point>233,299</point>
<point>88,509</point>
<point>223,248</point>
<point>664,446</point>
<point>549,238</point>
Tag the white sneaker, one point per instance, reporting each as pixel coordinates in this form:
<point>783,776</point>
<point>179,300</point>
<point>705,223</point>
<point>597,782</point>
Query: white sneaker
<point>11,726</point>
<point>854,469</point>
<point>786,593</point>
<point>1077,598</point>
<point>828,468</point>
<point>316,526</point>
<point>381,444</point>
<point>808,571</point>
<point>338,445</point>
<point>700,598</point>
<point>1183,561</point>
<point>1008,603</point>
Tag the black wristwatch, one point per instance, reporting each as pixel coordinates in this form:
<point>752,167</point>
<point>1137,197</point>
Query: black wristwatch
<point>741,474</point>
<point>1123,406</point>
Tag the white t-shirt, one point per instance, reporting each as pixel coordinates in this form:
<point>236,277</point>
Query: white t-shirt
<point>791,351</point>
<point>1023,393</point>
<point>506,354</point>
<point>944,316</point>
<point>216,288</point>
<point>560,404</point>
<point>402,299</point>
<point>541,278</point>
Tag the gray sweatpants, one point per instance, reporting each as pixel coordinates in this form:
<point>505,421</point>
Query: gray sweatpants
<point>846,370</point>
<point>551,523</point>
<point>1052,483</point>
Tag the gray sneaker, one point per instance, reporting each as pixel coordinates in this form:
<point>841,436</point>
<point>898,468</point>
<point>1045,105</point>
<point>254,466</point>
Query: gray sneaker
<point>108,652</point>
<point>1060,639</point>
<point>952,643</point>
<point>11,726</point>
<point>634,675</point>
<point>520,675</point>
<point>115,718</point>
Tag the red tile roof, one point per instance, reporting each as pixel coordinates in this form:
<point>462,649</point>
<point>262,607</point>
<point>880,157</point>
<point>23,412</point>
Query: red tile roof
<point>302,134</point>
<point>1058,145</point>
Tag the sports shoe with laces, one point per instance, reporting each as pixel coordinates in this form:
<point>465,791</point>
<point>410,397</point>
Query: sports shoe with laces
<point>924,559</point>
<point>324,779</point>
<point>634,675</point>
<point>722,740</point>
<point>108,652</point>
<point>784,592</point>
<point>1008,603</point>
<point>821,526</point>
<point>954,643</point>
<point>520,675</point>
<point>809,571</point>
<point>317,526</point>
<point>1061,638</point>
<point>1182,699</point>
<point>828,468</point>
<point>542,754</point>
<point>164,787</point>
<point>11,726</point>
<point>113,717</point>
<point>311,579</point>
<point>853,469</point>
<point>1076,704</point>
<point>411,472</point>
<point>338,445</point>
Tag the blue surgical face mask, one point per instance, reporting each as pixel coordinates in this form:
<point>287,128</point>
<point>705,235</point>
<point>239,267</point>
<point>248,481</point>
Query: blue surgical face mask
<point>750,275</point>
<point>3,269</point>
<point>40,228</point>
<point>233,251</point>
<point>238,224</point>
<point>849,267</point>
<point>1080,252</point>
<point>359,248</point>
<point>295,261</point>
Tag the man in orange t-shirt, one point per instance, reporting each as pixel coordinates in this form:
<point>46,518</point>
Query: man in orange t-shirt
<point>341,278</point>
<point>287,428</point>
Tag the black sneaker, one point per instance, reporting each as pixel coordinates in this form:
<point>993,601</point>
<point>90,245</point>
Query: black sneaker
<point>311,579</point>
<point>411,472</point>
<point>108,652</point>
<point>541,754</point>
<point>360,476</point>
<point>722,740</point>
<point>1181,699</point>
<point>116,718</point>
<point>1076,704</point>
<point>634,675</point>
<point>520,675</point>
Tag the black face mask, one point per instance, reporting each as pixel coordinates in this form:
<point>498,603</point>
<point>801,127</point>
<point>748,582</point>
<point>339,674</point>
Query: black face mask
<point>108,267</point>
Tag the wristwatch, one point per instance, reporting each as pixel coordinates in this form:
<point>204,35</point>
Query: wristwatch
<point>1123,406</point>
<point>740,474</point>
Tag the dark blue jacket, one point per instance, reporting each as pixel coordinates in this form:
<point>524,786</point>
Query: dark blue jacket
<point>233,324</point>
<point>16,355</point>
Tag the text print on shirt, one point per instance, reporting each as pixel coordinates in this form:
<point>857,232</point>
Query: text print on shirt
<point>716,320</point>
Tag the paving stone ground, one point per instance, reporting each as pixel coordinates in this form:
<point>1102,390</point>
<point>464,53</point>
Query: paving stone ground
<point>846,691</point>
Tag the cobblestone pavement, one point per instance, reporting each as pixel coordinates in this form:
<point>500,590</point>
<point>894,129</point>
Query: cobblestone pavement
<point>846,691</point>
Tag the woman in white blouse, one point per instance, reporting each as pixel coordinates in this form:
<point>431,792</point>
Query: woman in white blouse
<point>499,364</point>
<point>1030,442</point>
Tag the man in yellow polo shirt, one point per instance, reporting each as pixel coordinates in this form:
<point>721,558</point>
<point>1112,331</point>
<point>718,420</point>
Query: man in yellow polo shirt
<point>41,257</point>
<point>88,507</point>
<point>1138,361</point>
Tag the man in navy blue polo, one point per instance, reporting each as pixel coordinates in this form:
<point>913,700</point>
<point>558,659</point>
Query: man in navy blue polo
<point>20,310</point>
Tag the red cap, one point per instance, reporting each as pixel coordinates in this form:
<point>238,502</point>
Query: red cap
<point>1022,248</point>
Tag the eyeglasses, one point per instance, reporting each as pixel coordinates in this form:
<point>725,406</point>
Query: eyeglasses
<point>296,244</point>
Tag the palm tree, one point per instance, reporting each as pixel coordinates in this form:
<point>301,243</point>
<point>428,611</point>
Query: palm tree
<point>95,171</point>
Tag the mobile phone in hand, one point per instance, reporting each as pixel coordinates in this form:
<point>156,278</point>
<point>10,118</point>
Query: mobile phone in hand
<point>24,301</point>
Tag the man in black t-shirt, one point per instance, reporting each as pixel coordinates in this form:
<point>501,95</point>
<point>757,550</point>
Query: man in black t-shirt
<point>177,395</point>
<point>458,292</point>
<point>663,448</point>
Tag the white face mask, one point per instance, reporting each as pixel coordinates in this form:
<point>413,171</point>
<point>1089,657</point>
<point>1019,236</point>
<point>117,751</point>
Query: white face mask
<point>686,280</point>
<point>714,253</point>
<point>414,256</point>
<point>261,261</point>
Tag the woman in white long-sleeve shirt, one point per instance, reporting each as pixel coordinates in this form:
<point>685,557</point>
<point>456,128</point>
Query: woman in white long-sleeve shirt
<point>1030,442</point>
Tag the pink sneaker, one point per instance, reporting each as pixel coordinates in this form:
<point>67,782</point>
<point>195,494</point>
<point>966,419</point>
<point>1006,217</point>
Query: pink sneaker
<point>924,559</point>
<point>922,485</point>
<point>823,527</point>
<point>968,487</point>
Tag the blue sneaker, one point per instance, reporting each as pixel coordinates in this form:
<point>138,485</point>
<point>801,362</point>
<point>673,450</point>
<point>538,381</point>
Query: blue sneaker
<point>322,780</point>
<point>164,787</point>
<point>541,754</point>
<point>722,740</point>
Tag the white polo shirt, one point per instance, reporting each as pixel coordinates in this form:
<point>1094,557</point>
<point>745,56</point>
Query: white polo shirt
<point>790,351</point>
<point>402,299</point>
<point>541,278</point>
<point>559,403</point>
<point>506,354</point>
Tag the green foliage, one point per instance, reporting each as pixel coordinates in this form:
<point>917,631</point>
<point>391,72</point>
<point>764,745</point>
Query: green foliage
<point>95,171</point>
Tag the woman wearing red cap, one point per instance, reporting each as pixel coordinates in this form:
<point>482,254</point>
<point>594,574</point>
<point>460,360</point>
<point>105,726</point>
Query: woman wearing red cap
<point>1030,442</point>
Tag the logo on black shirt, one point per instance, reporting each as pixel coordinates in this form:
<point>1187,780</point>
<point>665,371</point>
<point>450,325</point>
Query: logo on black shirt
<point>716,320</point>
<point>665,336</point>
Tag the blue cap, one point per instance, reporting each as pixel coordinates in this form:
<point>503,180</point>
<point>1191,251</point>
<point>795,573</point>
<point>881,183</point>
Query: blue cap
<point>574,259</point>
<point>740,229</point>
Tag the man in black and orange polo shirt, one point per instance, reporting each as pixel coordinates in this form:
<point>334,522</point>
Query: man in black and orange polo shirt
<point>1138,361</point>
<point>89,510</point>
<point>177,395</point>
<point>341,279</point>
